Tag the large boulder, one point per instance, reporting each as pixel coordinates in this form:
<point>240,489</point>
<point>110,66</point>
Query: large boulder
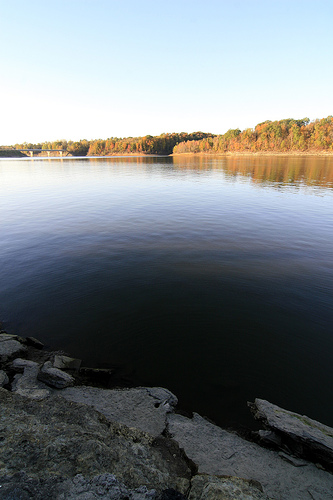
<point>54,377</point>
<point>305,437</point>
<point>56,439</point>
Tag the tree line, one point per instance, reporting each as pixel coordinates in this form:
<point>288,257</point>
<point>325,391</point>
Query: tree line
<point>162,144</point>
<point>280,136</point>
<point>283,135</point>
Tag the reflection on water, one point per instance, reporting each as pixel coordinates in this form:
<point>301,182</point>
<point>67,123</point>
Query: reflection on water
<point>277,170</point>
<point>212,276</point>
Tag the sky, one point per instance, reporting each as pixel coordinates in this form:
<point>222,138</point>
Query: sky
<point>90,69</point>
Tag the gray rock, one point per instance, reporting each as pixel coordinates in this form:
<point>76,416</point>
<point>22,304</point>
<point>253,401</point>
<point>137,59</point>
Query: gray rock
<point>144,408</point>
<point>66,363</point>
<point>7,336</point>
<point>219,452</point>
<point>34,343</point>
<point>103,487</point>
<point>19,364</point>
<point>305,437</point>
<point>55,377</point>
<point>269,437</point>
<point>27,384</point>
<point>56,439</point>
<point>4,380</point>
<point>207,487</point>
<point>9,347</point>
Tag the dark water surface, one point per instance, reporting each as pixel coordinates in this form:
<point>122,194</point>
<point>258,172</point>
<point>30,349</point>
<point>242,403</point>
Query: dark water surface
<point>211,276</point>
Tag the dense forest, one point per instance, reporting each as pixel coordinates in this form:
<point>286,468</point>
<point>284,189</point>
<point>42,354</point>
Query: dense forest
<point>162,144</point>
<point>278,136</point>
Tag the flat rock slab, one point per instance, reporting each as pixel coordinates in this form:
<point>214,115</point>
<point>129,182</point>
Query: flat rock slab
<point>219,452</point>
<point>66,363</point>
<point>55,439</point>
<point>10,347</point>
<point>206,487</point>
<point>304,436</point>
<point>8,336</point>
<point>143,408</point>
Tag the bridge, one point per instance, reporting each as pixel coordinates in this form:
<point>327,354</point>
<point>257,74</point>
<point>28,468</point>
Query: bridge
<point>32,151</point>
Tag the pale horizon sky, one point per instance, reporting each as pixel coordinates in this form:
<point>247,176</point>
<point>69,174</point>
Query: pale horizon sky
<point>89,69</point>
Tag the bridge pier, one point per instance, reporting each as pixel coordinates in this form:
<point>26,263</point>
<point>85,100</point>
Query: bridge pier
<point>37,151</point>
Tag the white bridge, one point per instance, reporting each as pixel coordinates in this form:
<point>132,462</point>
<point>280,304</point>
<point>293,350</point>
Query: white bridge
<point>32,151</point>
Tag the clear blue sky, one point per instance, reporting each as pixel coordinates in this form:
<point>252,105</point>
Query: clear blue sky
<point>74,69</point>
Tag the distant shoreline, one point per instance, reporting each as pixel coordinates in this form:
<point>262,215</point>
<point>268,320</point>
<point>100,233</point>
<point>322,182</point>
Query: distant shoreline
<point>227,153</point>
<point>259,153</point>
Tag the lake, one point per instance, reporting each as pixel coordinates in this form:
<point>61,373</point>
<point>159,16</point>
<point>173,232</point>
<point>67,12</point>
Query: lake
<point>211,276</point>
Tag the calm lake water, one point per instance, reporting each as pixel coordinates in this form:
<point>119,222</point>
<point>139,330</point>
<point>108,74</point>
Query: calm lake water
<point>211,276</point>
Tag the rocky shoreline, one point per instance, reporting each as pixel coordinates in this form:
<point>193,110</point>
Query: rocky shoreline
<point>63,437</point>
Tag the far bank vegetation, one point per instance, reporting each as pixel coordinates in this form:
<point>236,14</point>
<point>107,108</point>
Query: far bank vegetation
<point>281,136</point>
